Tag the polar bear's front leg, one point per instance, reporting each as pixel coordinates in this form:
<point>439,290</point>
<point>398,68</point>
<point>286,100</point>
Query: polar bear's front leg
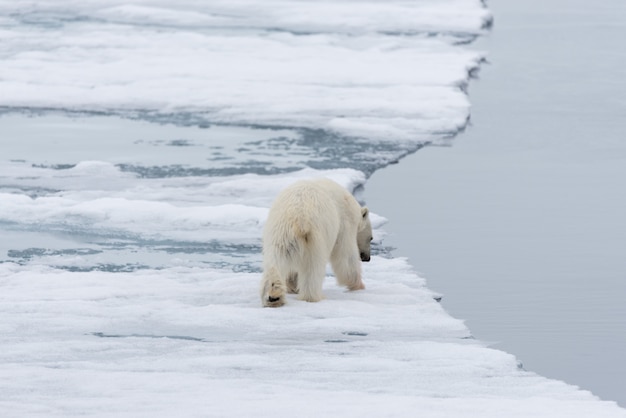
<point>272,289</point>
<point>347,268</point>
<point>310,279</point>
<point>292,283</point>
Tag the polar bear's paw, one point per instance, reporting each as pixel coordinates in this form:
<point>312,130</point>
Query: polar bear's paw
<point>274,294</point>
<point>356,286</point>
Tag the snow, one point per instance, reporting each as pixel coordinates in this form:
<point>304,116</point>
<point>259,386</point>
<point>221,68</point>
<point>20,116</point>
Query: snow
<point>130,251</point>
<point>195,342</point>
<point>198,58</point>
<point>196,207</point>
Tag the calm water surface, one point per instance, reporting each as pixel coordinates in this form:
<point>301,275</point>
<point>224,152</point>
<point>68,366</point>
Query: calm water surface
<point>521,223</point>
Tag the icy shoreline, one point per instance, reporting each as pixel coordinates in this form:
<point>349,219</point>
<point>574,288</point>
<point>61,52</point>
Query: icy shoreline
<point>80,336</point>
<point>135,289</point>
<point>197,342</point>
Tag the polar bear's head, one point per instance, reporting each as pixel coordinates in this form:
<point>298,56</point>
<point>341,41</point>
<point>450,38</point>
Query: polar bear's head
<point>364,236</point>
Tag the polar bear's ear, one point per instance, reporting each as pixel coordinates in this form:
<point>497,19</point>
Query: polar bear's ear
<point>364,212</point>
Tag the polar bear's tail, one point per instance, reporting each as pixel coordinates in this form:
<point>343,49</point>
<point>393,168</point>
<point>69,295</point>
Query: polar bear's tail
<point>294,259</point>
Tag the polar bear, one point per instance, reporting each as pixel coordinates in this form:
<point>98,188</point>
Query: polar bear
<point>311,223</point>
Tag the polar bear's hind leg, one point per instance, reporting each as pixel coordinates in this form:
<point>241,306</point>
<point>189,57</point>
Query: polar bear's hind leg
<point>310,282</point>
<point>272,289</point>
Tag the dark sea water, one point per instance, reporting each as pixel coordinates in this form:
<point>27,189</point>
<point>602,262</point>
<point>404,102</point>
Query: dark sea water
<point>521,223</point>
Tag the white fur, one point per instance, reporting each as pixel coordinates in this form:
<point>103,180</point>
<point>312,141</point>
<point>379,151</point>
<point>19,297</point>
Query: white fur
<point>311,223</point>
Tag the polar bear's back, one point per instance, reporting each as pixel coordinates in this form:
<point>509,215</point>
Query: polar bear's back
<point>301,209</point>
<point>305,216</point>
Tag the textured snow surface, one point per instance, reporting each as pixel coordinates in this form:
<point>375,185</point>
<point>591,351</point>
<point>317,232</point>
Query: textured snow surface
<point>195,342</point>
<point>340,65</point>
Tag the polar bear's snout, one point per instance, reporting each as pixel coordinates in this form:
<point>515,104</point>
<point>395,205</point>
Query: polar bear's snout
<point>364,235</point>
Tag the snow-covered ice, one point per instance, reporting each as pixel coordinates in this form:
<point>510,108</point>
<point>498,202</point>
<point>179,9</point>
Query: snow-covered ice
<point>195,342</point>
<point>142,145</point>
<point>342,66</point>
